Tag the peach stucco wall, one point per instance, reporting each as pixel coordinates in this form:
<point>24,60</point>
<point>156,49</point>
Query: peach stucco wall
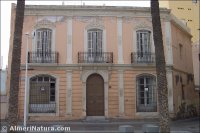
<point>78,27</point>
<point>183,63</point>
<point>110,26</point>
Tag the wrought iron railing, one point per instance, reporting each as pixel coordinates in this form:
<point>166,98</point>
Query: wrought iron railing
<point>142,57</point>
<point>95,57</point>
<point>42,57</point>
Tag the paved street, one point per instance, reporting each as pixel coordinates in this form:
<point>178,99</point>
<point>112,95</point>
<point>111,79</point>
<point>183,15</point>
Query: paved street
<point>109,126</point>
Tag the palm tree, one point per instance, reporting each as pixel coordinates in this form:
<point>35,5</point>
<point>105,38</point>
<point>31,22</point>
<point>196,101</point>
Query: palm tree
<point>15,64</point>
<point>160,68</point>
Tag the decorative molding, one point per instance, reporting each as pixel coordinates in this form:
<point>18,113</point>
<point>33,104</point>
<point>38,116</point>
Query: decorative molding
<point>69,40</point>
<point>168,39</point>
<point>56,89</point>
<point>104,73</point>
<point>90,10</point>
<point>44,23</point>
<point>120,41</point>
<point>142,25</point>
<point>95,22</point>
<point>121,91</point>
<point>69,93</point>
<point>170,91</point>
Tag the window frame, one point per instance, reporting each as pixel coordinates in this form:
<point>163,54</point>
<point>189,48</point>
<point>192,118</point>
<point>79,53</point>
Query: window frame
<point>98,47</point>
<point>51,79</point>
<point>44,40</point>
<point>146,107</point>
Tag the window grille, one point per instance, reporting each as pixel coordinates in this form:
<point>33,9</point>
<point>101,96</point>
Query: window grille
<point>42,94</point>
<point>146,94</point>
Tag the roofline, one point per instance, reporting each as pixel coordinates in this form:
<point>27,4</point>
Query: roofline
<point>90,7</point>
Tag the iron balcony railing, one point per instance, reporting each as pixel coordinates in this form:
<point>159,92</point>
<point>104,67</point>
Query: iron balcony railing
<point>42,57</point>
<point>142,57</point>
<point>95,57</point>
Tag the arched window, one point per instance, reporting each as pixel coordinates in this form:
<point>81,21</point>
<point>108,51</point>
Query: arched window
<point>146,93</point>
<point>42,94</point>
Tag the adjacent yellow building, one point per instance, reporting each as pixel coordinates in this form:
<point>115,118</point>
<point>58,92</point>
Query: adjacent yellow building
<point>188,12</point>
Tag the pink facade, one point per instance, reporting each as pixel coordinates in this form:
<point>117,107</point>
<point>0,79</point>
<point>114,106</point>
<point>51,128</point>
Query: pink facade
<point>71,45</point>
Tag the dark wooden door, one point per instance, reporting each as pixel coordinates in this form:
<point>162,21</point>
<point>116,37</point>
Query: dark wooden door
<point>95,95</point>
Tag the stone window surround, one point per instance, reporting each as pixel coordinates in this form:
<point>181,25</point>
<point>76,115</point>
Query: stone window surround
<point>56,99</point>
<point>84,76</point>
<point>135,37</point>
<point>145,114</point>
<point>44,24</point>
<point>94,26</point>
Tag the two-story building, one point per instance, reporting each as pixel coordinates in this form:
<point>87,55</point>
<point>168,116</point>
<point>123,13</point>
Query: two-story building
<point>100,61</point>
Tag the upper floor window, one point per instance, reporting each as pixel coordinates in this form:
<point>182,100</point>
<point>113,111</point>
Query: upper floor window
<point>143,41</point>
<point>44,40</point>
<point>194,1</point>
<point>95,40</point>
<point>181,50</point>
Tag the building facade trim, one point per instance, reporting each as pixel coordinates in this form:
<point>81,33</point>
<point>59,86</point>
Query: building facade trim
<point>105,75</point>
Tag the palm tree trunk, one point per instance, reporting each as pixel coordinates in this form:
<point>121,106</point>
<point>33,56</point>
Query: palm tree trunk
<point>15,64</point>
<point>160,68</point>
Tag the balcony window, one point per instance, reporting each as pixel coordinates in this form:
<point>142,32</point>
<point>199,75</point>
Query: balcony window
<point>143,42</point>
<point>143,53</point>
<point>44,39</point>
<point>95,53</point>
<point>43,49</point>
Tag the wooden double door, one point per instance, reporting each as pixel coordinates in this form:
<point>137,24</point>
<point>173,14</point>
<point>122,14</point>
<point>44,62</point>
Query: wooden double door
<point>95,95</point>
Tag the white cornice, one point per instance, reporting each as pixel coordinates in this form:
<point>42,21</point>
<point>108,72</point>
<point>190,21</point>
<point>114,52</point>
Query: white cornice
<point>180,25</point>
<point>64,10</point>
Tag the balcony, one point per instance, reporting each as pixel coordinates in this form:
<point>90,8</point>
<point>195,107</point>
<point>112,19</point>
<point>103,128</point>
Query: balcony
<point>42,57</point>
<point>95,57</point>
<point>142,58</point>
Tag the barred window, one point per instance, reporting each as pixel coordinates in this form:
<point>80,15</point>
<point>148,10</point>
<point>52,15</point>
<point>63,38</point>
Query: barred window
<point>42,94</point>
<point>146,94</point>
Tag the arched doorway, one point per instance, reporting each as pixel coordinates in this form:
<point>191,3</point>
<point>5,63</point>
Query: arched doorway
<point>95,95</point>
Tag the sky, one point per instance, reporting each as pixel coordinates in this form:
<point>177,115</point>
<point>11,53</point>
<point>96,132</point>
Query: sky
<point>6,13</point>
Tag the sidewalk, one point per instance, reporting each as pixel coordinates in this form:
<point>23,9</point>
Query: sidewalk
<point>111,126</point>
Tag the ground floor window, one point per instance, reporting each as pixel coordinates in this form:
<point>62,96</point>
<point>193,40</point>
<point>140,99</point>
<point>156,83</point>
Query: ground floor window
<point>146,94</point>
<point>42,94</point>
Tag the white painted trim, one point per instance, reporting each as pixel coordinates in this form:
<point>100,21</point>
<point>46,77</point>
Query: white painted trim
<point>104,73</point>
<point>170,91</point>
<point>135,38</point>
<point>85,41</point>
<point>69,93</point>
<point>53,39</point>
<point>69,40</point>
<point>119,40</point>
<point>88,27</point>
<point>104,41</point>
<point>57,95</point>
<point>169,53</point>
<point>121,91</point>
